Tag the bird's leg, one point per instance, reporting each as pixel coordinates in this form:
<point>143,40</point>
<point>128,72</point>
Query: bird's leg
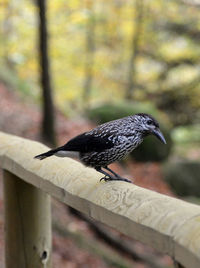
<point>109,169</point>
<point>109,177</point>
<point>118,177</point>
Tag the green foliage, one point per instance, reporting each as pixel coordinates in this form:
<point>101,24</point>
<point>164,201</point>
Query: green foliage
<point>112,111</point>
<point>186,134</point>
<point>14,82</point>
<point>154,44</point>
<point>183,177</point>
<point>151,149</point>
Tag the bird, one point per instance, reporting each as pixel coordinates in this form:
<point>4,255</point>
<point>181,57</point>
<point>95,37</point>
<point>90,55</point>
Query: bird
<point>109,142</point>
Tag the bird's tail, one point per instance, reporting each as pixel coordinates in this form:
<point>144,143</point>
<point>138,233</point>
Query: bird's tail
<point>47,154</point>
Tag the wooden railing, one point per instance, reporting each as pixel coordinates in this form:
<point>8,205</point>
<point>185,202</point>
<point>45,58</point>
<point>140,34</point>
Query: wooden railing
<point>167,224</point>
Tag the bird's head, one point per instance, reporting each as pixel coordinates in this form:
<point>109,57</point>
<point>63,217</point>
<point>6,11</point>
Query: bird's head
<point>147,125</point>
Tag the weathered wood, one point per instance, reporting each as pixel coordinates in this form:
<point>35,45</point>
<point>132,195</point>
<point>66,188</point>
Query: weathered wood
<point>168,224</point>
<point>27,224</point>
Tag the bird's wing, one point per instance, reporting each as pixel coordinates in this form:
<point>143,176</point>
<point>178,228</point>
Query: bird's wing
<point>86,143</point>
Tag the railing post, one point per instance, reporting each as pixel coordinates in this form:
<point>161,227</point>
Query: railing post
<point>27,224</point>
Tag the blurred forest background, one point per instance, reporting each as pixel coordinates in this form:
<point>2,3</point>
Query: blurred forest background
<point>101,60</point>
<point>146,51</point>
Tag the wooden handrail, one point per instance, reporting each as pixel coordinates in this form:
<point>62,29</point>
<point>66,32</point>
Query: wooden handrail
<point>167,224</point>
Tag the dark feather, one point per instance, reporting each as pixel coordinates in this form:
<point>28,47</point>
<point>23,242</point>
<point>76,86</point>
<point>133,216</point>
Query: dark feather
<point>85,143</point>
<point>47,154</point>
<point>151,117</point>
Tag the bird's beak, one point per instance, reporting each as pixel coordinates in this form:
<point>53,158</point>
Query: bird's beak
<point>159,135</point>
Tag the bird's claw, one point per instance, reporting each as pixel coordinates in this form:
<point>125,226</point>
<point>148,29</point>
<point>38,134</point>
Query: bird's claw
<point>126,180</point>
<point>107,178</point>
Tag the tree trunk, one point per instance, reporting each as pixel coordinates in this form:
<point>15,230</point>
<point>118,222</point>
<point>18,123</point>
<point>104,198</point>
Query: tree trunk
<point>134,48</point>
<point>90,49</point>
<point>48,126</point>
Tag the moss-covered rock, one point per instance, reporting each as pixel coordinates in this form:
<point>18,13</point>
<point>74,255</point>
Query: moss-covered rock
<point>151,149</point>
<point>183,177</point>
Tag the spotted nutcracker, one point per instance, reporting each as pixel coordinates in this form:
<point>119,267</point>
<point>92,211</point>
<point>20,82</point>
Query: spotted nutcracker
<point>109,142</point>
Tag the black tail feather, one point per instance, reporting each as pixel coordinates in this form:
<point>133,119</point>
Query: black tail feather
<point>47,154</point>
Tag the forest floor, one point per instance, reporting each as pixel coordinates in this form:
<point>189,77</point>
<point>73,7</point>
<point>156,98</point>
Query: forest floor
<point>74,244</point>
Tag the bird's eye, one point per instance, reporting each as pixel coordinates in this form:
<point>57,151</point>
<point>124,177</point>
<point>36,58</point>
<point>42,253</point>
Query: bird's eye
<point>149,122</point>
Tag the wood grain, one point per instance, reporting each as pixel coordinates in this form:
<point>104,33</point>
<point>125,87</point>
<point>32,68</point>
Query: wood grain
<point>168,224</point>
<point>27,224</point>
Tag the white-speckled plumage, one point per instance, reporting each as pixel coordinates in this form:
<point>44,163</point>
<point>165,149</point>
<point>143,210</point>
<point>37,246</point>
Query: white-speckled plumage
<point>109,142</point>
<point>125,134</point>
